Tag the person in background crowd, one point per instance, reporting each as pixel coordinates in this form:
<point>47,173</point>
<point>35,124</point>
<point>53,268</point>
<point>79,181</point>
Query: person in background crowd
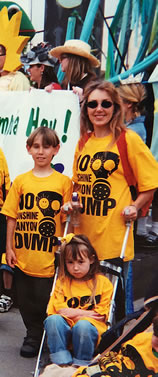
<point>9,81</point>
<point>40,66</point>
<point>77,63</point>
<point>5,299</point>
<point>133,96</point>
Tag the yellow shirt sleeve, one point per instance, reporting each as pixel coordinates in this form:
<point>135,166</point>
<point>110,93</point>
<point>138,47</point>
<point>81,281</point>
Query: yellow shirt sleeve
<point>10,207</point>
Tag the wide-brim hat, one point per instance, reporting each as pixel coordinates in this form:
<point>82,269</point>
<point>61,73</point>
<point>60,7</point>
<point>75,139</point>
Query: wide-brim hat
<point>39,55</point>
<point>45,62</point>
<point>76,47</point>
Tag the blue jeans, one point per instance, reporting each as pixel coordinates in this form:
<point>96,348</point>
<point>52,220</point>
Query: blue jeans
<point>83,336</point>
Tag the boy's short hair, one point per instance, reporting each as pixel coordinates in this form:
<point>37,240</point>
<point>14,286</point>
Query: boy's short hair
<point>49,137</point>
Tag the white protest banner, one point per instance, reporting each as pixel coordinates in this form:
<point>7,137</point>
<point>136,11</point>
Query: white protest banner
<point>22,112</point>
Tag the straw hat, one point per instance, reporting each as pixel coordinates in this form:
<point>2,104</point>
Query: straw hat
<point>75,47</point>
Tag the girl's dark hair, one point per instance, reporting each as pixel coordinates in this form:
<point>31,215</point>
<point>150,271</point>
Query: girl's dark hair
<point>117,121</point>
<point>77,67</point>
<point>49,137</point>
<point>72,248</point>
<point>48,76</point>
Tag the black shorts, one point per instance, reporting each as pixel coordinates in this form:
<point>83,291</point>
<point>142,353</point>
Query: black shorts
<point>3,232</point>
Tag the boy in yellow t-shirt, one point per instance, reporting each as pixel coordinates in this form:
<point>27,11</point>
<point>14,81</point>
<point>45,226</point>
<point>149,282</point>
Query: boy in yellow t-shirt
<point>34,223</point>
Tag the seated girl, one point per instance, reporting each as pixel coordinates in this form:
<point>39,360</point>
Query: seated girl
<point>79,306</point>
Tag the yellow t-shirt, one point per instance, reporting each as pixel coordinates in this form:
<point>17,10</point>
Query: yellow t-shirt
<point>143,344</point>
<point>122,364</point>
<point>4,176</point>
<point>104,191</point>
<point>76,294</point>
<point>35,203</point>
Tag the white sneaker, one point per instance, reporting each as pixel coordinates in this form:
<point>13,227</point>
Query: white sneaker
<point>5,303</point>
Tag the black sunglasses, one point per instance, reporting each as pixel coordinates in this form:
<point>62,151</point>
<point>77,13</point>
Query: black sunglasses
<point>93,104</point>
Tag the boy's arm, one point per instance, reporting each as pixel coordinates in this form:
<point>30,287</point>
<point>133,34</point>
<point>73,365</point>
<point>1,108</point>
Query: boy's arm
<point>10,254</point>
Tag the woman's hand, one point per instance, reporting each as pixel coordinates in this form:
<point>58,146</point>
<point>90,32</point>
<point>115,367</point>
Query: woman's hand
<point>79,91</point>
<point>130,213</point>
<point>49,88</point>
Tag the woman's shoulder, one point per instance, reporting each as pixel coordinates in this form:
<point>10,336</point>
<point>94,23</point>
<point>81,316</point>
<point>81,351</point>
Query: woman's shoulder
<point>132,136</point>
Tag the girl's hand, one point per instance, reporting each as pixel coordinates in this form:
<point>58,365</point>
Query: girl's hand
<point>130,213</point>
<point>77,314</point>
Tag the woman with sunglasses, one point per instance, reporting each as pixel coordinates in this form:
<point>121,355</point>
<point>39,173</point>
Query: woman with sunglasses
<point>99,175</point>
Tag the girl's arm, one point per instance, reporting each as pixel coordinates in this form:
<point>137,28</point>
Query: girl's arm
<point>76,314</point>
<point>10,254</point>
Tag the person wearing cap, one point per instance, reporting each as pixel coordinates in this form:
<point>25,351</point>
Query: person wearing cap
<point>77,63</point>
<point>41,66</point>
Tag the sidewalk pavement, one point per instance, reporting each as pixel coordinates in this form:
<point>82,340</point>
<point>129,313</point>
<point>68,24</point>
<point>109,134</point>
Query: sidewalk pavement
<point>12,332</point>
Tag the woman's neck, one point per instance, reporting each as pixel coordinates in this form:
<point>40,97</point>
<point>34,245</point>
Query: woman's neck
<point>100,132</point>
<point>130,116</point>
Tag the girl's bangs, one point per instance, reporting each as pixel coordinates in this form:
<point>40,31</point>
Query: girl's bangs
<point>74,251</point>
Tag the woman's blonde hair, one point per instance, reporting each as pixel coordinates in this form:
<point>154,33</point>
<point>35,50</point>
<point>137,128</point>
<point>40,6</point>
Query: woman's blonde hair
<point>116,122</point>
<point>77,67</point>
<point>72,250</point>
<point>49,137</point>
<point>134,94</point>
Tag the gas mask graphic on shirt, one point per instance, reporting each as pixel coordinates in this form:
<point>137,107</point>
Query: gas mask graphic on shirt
<point>103,164</point>
<point>49,203</point>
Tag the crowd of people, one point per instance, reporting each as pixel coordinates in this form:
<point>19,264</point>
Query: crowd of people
<point>111,121</point>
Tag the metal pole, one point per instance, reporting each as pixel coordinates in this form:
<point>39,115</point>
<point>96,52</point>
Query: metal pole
<point>89,20</point>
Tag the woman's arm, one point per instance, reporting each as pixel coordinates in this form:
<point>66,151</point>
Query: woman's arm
<point>10,254</point>
<point>130,212</point>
